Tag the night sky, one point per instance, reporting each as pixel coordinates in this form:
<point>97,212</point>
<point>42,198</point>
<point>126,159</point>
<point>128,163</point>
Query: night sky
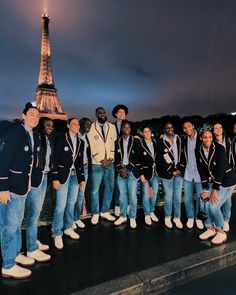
<point>158,57</point>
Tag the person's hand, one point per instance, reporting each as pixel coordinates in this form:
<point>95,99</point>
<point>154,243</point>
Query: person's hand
<point>5,197</point>
<point>204,195</point>
<point>123,172</point>
<point>109,162</point>
<point>82,185</point>
<point>176,173</point>
<point>56,184</point>
<point>142,178</point>
<point>214,197</point>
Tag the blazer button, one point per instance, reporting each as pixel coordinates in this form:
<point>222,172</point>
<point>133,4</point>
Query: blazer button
<point>29,174</point>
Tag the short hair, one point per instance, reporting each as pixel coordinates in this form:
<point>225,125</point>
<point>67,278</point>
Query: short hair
<point>186,120</point>
<point>124,122</point>
<point>119,107</point>
<point>99,109</point>
<point>83,120</point>
<point>28,106</point>
<point>70,119</point>
<point>146,126</point>
<point>167,123</point>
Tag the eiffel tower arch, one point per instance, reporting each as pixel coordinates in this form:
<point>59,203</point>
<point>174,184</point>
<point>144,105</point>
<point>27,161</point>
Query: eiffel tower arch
<point>46,93</point>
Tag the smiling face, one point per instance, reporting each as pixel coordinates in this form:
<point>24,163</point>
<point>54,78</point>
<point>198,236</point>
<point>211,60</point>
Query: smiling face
<point>188,128</point>
<point>101,115</point>
<point>207,139</point>
<point>87,126</point>
<point>126,129</point>
<point>218,129</point>
<point>147,133</point>
<point>73,126</point>
<point>48,127</point>
<point>169,129</point>
<point>31,118</point>
<point>120,115</point>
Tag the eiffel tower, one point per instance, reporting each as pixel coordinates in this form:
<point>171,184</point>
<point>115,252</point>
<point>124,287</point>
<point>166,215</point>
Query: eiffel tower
<point>46,94</point>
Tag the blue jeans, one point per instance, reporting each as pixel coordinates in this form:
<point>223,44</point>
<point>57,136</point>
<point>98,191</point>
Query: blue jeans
<point>12,215</point>
<point>213,211</point>
<point>173,190</point>
<point>189,187</point>
<point>150,202</point>
<point>79,202</point>
<point>128,195</point>
<point>226,209</point>
<point>100,173</point>
<point>65,203</point>
<point>34,204</point>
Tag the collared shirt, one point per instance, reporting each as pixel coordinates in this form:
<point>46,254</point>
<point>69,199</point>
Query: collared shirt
<point>118,126</point>
<point>73,139</point>
<point>31,136</point>
<point>174,147</point>
<point>206,152</point>
<point>191,172</point>
<point>104,128</point>
<point>125,160</point>
<point>48,154</point>
<point>83,137</point>
<point>151,148</point>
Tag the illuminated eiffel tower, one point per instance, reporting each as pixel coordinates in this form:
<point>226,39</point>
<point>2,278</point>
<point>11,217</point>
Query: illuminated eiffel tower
<point>46,94</point>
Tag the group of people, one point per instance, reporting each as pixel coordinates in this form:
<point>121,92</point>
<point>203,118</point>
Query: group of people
<point>117,159</point>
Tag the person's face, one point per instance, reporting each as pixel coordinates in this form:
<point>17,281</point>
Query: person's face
<point>218,129</point>
<point>31,118</point>
<point>147,133</point>
<point>120,115</point>
<point>101,115</point>
<point>126,129</point>
<point>188,128</point>
<point>169,129</point>
<point>74,126</point>
<point>87,126</point>
<point>234,128</point>
<point>207,138</point>
<point>48,127</point>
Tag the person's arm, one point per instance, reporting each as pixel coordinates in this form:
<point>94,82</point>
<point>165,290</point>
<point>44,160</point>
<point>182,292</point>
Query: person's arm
<point>221,166</point>
<point>202,170</point>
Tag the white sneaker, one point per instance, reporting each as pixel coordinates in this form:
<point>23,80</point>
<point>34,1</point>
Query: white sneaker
<point>41,246</point>
<point>80,223</point>
<point>39,256</point>
<point>71,233</point>
<point>178,223</point>
<point>148,220</point>
<point>74,226</point>
<point>199,224</point>
<point>107,216</point>
<point>24,260</point>
<point>133,223</point>
<point>226,226</point>
<point>154,217</point>
<point>189,223</point>
<point>121,220</point>
<point>117,211</point>
<point>58,242</point>
<point>219,238</point>
<point>16,272</point>
<point>95,219</point>
<point>207,234</point>
<point>168,222</point>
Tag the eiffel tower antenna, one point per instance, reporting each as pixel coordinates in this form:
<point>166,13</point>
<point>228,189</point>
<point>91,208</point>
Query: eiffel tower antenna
<point>46,93</point>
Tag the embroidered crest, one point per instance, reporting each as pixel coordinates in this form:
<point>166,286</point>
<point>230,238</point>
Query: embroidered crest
<point>132,151</point>
<point>96,137</point>
<point>66,148</point>
<point>118,150</point>
<point>26,148</point>
<point>165,150</point>
<point>214,163</point>
<point>200,160</point>
<point>144,153</point>
<point>38,149</point>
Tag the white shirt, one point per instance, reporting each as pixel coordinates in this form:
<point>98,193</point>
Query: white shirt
<point>83,137</point>
<point>174,147</point>
<point>73,139</point>
<point>125,160</point>
<point>191,172</point>
<point>48,154</point>
<point>151,148</point>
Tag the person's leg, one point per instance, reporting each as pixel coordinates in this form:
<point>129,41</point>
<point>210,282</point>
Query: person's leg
<point>79,201</point>
<point>188,199</point>
<point>108,188</point>
<point>12,217</point>
<point>132,192</point>
<point>97,175</point>
<point>198,190</point>
<point>146,203</point>
<point>168,197</point>
<point>58,217</point>
<point>155,187</point>
<point>71,199</point>
<point>178,185</point>
<point>34,204</point>
<point>226,209</point>
<point>123,193</point>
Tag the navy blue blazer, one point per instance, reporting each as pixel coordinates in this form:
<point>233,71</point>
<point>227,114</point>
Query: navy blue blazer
<point>19,163</point>
<point>148,162</point>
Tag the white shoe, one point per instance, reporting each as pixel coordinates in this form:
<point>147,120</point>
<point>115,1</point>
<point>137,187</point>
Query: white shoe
<point>207,234</point>
<point>189,223</point>
<point>199,224</point>
<point>39,256</point>
<point>154,217</point>
<point>178,223</point>
<point>41,246</point>
<point>107,216</point>
<point>219,238</point>
<point>95,219</point>
<point>121,220</point>
<point>133,223</point>
<point>148,220</point>
<point>74,226</point>
<point>58,242</point>
<point>117,211</point>
<point>80,224</point>
<point>16,272</point>
<point>24,260</point>
<point>226,226</point>
<point>71,233</point>
<point>168,222</point>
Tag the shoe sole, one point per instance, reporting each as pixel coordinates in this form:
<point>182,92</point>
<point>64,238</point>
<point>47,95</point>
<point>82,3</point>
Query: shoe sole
<point>42,261</point>
<point>117,225</point>
<point>104,218</point>
<point>30,264</point>
<point>74,239</point>
<point>16,278</point>
<point>206,238</point>
<point>219,243</point>
<point>46,249</point>
<point>59,249</point>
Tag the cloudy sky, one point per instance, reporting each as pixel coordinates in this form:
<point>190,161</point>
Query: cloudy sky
<point>156,56</point>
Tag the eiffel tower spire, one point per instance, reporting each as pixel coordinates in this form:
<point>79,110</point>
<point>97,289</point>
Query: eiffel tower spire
<point>46,93</point>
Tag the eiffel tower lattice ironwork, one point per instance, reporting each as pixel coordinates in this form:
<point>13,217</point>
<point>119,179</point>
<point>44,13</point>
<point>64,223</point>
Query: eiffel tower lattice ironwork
<point>46,93</point>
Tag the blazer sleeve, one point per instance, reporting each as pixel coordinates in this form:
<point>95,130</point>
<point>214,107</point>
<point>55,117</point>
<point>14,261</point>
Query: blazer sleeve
<point>118,164</point>
<point>114,138</point>
<point>202,169</point>
<point>221,167</point>
<point>161,162</point>
<point>57,144</point>
<point>81,160</point>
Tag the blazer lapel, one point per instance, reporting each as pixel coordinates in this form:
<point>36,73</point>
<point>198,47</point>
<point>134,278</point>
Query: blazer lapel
<point>98,129</point>
<point>68,139</point>
<point>130,144</point>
